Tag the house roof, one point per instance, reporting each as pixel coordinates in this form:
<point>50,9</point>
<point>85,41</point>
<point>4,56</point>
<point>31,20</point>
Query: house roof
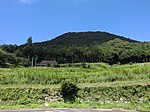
<point>45,62</point>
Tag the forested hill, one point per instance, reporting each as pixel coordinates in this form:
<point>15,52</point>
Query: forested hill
<point>82,39</point>
<point>81,47</point>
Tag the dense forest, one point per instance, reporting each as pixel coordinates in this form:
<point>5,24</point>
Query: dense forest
<point>78,47</point>
<point>11,60</point>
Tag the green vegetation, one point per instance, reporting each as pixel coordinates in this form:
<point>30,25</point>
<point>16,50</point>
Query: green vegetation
<point>96,61</point>
<point>82,39</point>
<point>10,56</point>
<point>101,86</point>
<point>97,73</point>
<point>11,60</point>
<point>69,92</point>
<point>127,97</point>
<point>84,47</point>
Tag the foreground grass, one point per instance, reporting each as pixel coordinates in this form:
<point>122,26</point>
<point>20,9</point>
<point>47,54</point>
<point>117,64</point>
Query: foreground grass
<point>30,106</point>
<point>127,106</point>
<point>107,97</point>
<point>97,76</point>
<point>88,105</point>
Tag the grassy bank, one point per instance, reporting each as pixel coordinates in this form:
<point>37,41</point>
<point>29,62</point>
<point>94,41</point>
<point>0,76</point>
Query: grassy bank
<point>126,97</point>
<point>102,86</point>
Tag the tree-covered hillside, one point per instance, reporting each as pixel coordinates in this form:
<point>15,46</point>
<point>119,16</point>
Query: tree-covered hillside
<point>81,39</point>
<point>92,47</point>
<point>125,52</point>
<point>84,47</point>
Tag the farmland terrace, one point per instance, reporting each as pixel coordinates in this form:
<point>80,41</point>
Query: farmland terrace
<point>101,86</point>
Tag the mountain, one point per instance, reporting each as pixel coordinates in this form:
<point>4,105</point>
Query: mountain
<point>82,39</point>
<point>79,47</point>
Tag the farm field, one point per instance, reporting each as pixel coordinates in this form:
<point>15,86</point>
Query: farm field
<point>97,73</point>
<point>102,86</point>
<point>66,55</point>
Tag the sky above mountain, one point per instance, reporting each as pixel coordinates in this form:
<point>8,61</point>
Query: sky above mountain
<point>46,19</point>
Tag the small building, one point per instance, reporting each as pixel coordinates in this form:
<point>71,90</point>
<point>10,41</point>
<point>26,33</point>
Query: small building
<point>48,63</point>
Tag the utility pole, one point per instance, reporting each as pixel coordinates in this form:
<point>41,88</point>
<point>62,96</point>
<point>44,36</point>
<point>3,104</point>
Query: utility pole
<point>32,62</point>
<point>36,61</point>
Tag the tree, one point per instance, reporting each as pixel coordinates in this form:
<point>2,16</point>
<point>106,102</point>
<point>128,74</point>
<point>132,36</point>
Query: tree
<point>2,58</point>
<point>11,60</point>
<point>29,41</point>
<point>28,49</point>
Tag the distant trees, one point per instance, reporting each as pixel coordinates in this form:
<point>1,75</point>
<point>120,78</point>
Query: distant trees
<point>9,48</point>
<point>11,55</point>
<point>112,52</point>
<point>116,50</point>
<point>10,60</point>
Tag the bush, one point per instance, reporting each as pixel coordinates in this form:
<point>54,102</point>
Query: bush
<point>83,65</point>
<point>69,92</point>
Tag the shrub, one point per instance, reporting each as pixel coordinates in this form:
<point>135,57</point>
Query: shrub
<point>83,65</point>
<point>69,92</point>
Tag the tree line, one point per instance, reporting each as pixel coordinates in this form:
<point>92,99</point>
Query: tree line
<point>112,52</point>
<point>116,51</point>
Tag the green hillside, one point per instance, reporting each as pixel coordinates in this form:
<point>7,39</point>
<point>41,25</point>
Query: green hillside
<point>84,47</point>
<point>82,39</point>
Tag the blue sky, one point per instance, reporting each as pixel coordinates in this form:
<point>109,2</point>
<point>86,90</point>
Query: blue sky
<point>46,19</point>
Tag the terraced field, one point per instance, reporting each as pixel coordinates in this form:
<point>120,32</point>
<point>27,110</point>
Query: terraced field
<point>102,86</point>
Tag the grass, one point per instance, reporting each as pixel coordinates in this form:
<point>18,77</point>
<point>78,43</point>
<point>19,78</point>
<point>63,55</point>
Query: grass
<point>82,85</point>
<point>95,105</point>
<point>31,106</point>
<point>89,105</point>
<point>98,75</point>
<point>30,86</point>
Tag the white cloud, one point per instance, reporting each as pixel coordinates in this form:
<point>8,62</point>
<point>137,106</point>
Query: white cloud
<point>27,1</point>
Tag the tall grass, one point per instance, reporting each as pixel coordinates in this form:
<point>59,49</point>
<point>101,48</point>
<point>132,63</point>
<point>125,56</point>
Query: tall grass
<point>97,73</point>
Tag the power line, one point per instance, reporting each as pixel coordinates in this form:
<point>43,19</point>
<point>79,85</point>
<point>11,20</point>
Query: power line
<point>1,42</point>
